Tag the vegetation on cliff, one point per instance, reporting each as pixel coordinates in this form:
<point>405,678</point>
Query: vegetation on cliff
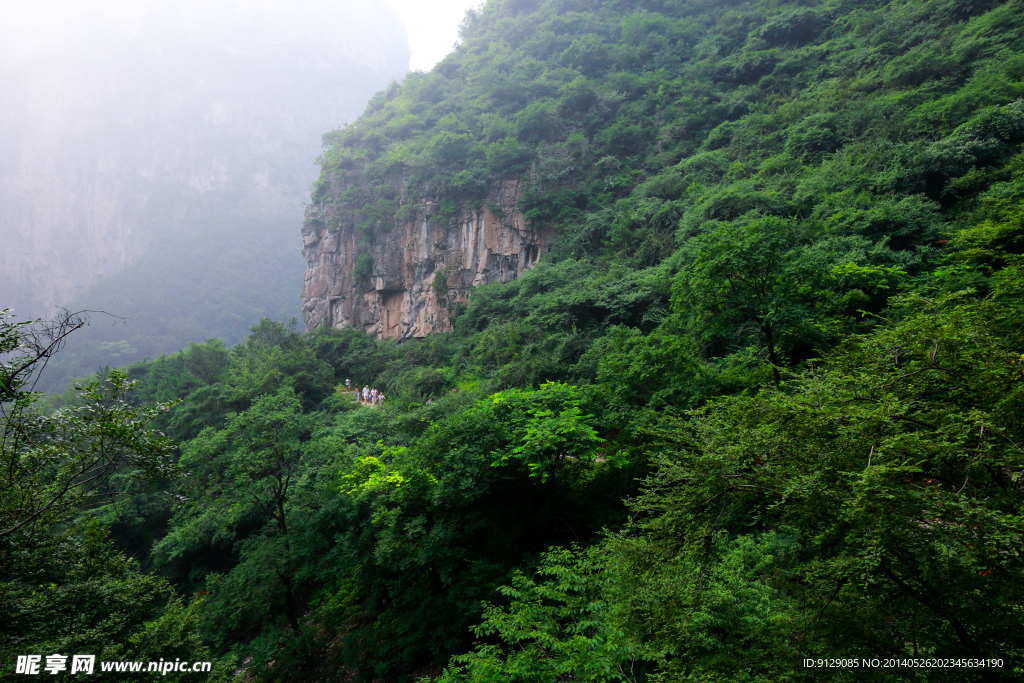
<point>763,402</point>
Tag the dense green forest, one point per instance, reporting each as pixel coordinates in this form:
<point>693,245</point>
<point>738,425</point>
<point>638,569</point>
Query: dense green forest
<point>763,401</point>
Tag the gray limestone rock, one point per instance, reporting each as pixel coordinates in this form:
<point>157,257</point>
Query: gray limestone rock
<point>421,266</point>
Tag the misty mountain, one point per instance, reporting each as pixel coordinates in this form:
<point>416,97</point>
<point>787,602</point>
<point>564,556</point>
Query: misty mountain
<point>155,158</point>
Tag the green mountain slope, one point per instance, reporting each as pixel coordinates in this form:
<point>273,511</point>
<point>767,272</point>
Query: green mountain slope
<point>757,416</point>
<point>849,137</point>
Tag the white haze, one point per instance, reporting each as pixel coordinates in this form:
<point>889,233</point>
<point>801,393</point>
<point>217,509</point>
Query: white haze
<point>134,131</point>
<point>31,28</point>
<point>433,28</point>
<point>110,108</point>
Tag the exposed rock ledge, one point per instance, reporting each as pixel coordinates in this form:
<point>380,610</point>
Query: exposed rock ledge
<point>420,266</point>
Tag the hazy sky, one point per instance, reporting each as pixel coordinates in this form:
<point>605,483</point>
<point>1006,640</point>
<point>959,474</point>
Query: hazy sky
<point>433,27</point>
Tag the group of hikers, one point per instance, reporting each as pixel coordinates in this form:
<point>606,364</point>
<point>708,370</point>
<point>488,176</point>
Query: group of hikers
<point>367,395</point>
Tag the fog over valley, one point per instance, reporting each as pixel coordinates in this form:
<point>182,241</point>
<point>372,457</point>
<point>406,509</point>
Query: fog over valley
<point>155,158</point>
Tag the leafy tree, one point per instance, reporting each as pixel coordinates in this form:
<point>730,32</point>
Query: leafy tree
<point>761,278</point>
<point>240,482</point>
<point>554,629</point>
<point>893,470</point>
<point>64,588</point>
<point>57,463</point>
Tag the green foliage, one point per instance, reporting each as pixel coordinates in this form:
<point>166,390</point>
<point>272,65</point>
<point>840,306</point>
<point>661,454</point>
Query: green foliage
<point>895,462</point>
<point>555,628</point>
<point>172,377</point>
<point>870,507</point>
<point>552,433</point>
<point>57,463</point>
<point>63,586</point>
<point>766,383</point>
<point>363,267</point>
<point>758,279</point>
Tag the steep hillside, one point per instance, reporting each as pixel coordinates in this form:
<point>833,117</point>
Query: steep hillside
<point>752,411</point>
<point>861,130</point>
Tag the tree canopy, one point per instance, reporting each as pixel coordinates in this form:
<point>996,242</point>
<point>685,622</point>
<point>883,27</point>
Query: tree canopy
<point>761,404</point>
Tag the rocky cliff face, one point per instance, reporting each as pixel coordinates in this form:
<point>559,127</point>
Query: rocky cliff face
<point>420,267</point>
